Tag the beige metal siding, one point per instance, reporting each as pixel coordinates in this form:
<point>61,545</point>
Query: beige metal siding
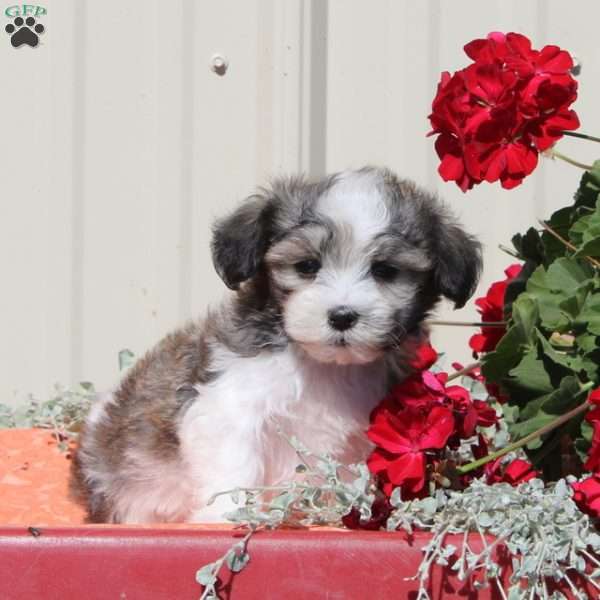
<point>120,145</point>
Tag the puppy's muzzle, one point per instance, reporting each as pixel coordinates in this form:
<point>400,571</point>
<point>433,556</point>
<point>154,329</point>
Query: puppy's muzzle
<point>342,318</point>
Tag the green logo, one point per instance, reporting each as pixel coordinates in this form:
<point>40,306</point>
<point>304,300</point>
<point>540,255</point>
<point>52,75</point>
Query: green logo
<point>25,10</point>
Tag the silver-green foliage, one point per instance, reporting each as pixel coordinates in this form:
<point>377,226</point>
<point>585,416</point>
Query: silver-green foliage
<point>63,413</point>
<point>544,531</point>
<point>540,525</point>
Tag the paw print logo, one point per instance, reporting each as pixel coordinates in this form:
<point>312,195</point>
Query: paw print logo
<point>24,32</point>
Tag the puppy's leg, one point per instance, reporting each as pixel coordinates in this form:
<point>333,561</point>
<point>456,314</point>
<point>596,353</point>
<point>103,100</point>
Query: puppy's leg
<point>221,455</point>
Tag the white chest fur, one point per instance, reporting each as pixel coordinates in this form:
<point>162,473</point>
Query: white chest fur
<point>229,436</point>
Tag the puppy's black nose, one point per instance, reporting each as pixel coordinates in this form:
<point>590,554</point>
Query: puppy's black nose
<point>342,318</point>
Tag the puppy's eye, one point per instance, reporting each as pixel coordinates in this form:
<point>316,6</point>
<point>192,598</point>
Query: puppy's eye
<point>384,271</point>
<point>308,267</point>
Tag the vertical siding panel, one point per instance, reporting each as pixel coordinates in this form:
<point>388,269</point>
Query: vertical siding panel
<point>357,103</point>
<point>186,117</point>
<point>224,127</point>
<point>76,176</point>
<point>35,209</point>
<point>120,183</point>
<point>249,124</point>
<point>314,74</point>
<point>171,253</point>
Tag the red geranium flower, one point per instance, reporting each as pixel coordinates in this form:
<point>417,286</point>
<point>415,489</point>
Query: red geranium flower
<point>593,416</point>
<point>402,440</point>
<point>586,494</point>
<point>518,471</point>
<point>469,413</point>
<point>594,396</point>
<point>491,309</point>
<point>493,117</point>
<point>425,356</point>
<point>421,391</point>
<point>418,419</point>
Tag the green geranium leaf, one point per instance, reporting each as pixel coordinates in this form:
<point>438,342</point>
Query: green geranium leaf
<point>516,286</point>
<point>589,187</point>
<point>522,428</point>
<point>507,355</point>
<point>545,409</point>
<point>590,248</point>
<point>572,305</point>
<point>525,316</point>
<point>566,274</point>
<point>564,398</point>
<point>510,413</point>
<point>560,222</point>
<point>585,233</point>
<point>518,339</point>
<point>591,364</point>
<point>553,286</point>
<point>587,342</point>
<point>587,431</point>
<point>570,361</point>
<point>532,408</point>
<point>584,442</point>
<point>589,317</point>
<point>530,374</point>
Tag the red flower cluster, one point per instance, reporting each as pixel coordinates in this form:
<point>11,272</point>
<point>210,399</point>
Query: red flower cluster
<point>420,417</point>
<point>491,309</point>
<point>593,416</point>
<point>494,116</point>
<point>586,493</point>
<point>516,472</point>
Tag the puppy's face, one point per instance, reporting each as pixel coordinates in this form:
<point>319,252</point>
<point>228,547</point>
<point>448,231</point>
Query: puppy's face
<point>354,262</point>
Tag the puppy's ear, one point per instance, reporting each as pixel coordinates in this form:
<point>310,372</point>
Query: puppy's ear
<point>241,240</point>
<point>458,264</point>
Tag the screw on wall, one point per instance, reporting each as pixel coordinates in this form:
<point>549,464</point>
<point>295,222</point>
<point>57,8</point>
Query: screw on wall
<point>219,64</point>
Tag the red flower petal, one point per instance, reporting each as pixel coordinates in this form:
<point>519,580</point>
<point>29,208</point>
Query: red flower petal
<point>386,436</point>
<point>593,460</point>
<point>491,308</point>
<point>518,471</point>
<point>425,357</point>
<point>594,396</point>
<point>408,468</point>
<point>586,494</point>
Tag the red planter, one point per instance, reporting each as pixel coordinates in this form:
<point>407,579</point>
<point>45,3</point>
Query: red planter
<point>160,564</point>
<point>61,559</point>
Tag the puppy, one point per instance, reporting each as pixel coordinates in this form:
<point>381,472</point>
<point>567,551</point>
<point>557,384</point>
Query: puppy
<point>332,282</point>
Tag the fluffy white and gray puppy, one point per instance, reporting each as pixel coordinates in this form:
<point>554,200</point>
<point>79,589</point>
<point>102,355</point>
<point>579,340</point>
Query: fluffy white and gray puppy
<point>332,281</point>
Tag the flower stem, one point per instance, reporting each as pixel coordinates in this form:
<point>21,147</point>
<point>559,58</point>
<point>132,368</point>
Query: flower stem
<point>568,244</point>
<point>583,136</point>
<point>469,323</point>
<point>509,251</point>
<point>532,436</point>
<point>556,154</point>
<point>464,370</point>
